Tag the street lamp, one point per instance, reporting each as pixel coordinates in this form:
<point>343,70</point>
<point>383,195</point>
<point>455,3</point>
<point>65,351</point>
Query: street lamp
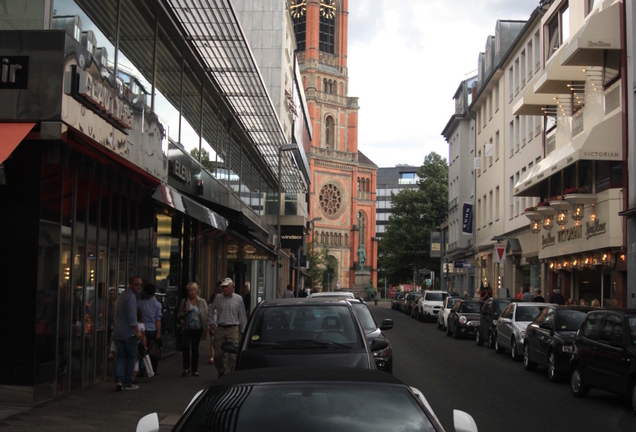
<point>281,149</point>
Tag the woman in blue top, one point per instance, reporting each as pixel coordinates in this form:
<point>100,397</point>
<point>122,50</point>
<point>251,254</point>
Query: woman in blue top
<point>194,322</point>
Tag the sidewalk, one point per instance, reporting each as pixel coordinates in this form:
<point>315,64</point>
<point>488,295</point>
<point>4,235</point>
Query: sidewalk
<point>101,408</point>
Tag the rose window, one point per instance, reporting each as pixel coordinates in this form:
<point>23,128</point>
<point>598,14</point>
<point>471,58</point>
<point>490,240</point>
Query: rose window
<point>330,199</point>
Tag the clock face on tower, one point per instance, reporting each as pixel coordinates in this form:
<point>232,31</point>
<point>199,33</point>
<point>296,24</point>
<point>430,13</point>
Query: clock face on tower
<point>328,8</point>
<point>298,8</point>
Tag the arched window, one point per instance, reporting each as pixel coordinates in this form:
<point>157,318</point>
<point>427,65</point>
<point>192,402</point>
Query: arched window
<point>330,130</point>
<point>325,86</point>
<point>368,185</point>
<point>339,239</point>
<point>322,238</point>
<point>358,184</point>
<point>362,226</point>
<point>327,26</point>
<point>330,239</point>
<point>346,240</point>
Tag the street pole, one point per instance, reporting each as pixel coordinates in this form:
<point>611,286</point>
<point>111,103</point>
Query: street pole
<point>300,248</point>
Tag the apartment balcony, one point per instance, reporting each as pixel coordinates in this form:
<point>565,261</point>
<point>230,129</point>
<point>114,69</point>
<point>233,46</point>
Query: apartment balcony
<point>452,205</point>
<point>600,32</point>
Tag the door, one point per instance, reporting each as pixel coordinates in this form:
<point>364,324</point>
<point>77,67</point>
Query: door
<point>610,358</point>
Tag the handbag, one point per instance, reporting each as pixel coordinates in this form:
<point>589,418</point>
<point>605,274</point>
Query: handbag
<point>156,349</point>
<point>149,371</point>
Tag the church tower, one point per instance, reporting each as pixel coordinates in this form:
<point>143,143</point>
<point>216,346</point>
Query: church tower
<point>343,180</point>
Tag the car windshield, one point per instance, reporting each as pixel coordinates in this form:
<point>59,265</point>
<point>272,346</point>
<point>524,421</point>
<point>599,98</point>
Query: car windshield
<point>451,302</point>
<point>569,320</point>
<point>528,313</point>
<point>632,329</point>
<point>466,307</point>
<point>364,315</point>
<point>293,323</point>
<point>435,296</point>
<point>295,406</point>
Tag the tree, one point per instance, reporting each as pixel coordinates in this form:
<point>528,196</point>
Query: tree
<point>405,247</point>
<point>323,268</point>
<point>205,158</point>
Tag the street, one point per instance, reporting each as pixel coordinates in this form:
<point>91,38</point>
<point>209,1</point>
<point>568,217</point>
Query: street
<point>497,392</point>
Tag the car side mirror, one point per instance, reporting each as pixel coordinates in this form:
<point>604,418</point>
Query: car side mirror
<point>463,422</point>
<point>378,344</point>
<point>545,326</point>
<point>505,320</point>
<point>148,423</point>
<point>386,324</point>
<point>229,347</point>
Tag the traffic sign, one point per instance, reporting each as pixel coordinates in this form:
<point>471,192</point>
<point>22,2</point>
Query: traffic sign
<point>500,254</point>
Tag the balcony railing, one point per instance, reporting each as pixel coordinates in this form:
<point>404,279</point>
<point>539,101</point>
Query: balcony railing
<point>452,205</point>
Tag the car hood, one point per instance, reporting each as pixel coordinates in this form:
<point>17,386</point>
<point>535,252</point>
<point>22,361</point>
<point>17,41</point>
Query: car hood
<point>311,358</point>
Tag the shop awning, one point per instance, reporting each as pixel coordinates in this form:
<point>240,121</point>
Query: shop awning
<point>601,143</point>
<point>11,135</point>
<point>556,77</point>
<point>178,201</point>
<point>600,32</point>
<point>513,247</point>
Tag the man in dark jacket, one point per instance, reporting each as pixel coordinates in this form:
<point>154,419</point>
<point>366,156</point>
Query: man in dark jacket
<point>538,297</point>
<point>556,297</point>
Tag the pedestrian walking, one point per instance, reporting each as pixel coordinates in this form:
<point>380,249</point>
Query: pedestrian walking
<point>290,292</point>
<point>142,346</point>
<point>212,319</point>
<point>151,318</point>
<point>556,297</point>
<point>231,322</point>
<point>454,293</point>
<point>527,296</point>
<point>537,296</point>
<point>247,297</point>
<point>126,333</point>
<point>193,312</point>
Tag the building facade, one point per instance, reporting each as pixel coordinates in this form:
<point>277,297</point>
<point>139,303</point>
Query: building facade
<point>458,263</point>
<point>580,183</point>
<point>342,193</point>
<point>98,183</point>
<point>391,180</point>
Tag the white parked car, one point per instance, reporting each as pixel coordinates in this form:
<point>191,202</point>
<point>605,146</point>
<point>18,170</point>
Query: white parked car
<point>429,305</point>
<point>442,316</point>
<point>512,324</point>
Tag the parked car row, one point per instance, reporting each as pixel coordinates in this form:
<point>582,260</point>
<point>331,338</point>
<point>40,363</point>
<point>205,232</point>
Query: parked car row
<point>593,347</point>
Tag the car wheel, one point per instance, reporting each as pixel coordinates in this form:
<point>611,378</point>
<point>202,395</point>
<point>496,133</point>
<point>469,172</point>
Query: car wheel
<point>448,330</point>
<point>491,340</point>
<point>478,339</point>
<point>513,349</point>
<point>498,348</point>
<point>528,364</point>
<point>579,389</point>
<point>553,375</point>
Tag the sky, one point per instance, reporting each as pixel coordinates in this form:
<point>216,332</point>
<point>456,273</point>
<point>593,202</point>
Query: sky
<point>406,59</point>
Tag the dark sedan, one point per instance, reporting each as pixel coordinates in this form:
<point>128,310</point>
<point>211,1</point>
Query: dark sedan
<point>605,354</point>
<point>488,321</point>
<point>306,331</point>
<point>309,399</point>
<point>463,319</point>
<point>395,302</point>
<point>549,339</point>
<point>383,357</point>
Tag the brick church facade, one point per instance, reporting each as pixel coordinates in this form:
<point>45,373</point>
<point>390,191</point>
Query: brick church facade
<point>343,182</point>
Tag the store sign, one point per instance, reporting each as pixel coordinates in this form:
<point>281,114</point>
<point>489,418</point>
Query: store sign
<point>292,237</point>
<point>467,219</point>
<point>251,253</point>
<point>99,94</point>
<point>436,244</point>
<point>547,240</point>
<point>569,234</point>
<point>180,171</point>
<point>594,228</point>
<point>232,251</point>
<point>14,72</point>
<point>461,264</point>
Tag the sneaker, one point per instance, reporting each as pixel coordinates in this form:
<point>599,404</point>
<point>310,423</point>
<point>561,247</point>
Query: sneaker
<point>195,374</point>
<point>131,387</point>
<point>211,361</point>
<point>120,387</point>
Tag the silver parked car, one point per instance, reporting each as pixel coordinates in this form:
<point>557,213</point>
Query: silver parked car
<point>512,324</point>
<point>442,315</point>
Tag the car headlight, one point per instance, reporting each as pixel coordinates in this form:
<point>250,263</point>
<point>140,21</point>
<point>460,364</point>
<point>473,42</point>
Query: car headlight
<point>522,333</point>
<point>382,353</point>
<point>494,322</point>
<point>462,319</point>
<point>567,349</point>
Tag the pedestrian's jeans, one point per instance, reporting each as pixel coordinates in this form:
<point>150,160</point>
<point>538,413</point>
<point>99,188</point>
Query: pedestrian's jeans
<point>126,359</point>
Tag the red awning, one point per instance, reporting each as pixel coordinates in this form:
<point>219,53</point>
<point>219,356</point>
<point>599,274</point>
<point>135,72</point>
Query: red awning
<point>11,135</point>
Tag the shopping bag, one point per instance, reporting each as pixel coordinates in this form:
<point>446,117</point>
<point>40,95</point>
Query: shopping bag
<point>149,371</point>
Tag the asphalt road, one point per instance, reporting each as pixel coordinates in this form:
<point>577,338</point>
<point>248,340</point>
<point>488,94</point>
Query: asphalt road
<point>497,392</point>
